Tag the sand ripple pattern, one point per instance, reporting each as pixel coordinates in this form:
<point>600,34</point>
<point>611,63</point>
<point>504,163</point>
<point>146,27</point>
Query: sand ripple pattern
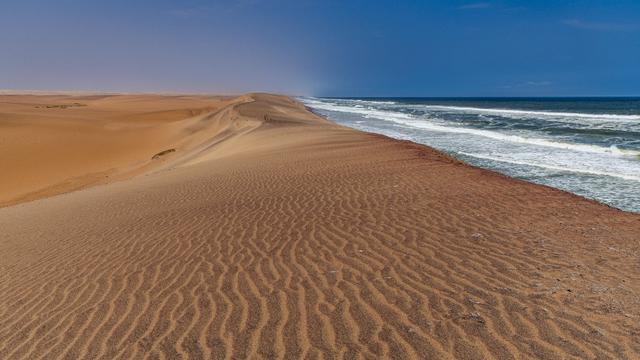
<point>339,245</point>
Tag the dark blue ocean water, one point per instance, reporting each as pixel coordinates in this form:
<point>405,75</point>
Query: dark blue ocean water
<point>588,146</point>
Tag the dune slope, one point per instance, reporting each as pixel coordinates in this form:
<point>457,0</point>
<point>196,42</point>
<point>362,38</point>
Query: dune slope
<point>273,233</point>
<point>52,144</point>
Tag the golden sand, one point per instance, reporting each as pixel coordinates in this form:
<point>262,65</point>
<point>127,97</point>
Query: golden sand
<point>248,227</point>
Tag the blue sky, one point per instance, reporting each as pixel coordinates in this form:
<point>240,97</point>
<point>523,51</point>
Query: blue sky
<point>324,48</point>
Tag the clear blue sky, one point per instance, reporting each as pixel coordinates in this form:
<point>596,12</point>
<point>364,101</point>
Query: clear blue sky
<point>333,48</point>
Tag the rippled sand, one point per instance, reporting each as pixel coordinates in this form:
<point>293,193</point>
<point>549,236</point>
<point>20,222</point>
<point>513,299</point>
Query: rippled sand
<point>269,232</point>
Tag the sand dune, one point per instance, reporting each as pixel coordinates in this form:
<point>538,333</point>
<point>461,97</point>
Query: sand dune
<point>272,233</point>
<point>56,143</point>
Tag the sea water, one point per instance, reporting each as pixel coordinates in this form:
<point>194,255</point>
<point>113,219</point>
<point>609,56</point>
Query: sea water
<point>587,146</point>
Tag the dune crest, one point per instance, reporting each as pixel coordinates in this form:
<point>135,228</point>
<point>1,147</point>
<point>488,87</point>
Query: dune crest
<point>271,232</point>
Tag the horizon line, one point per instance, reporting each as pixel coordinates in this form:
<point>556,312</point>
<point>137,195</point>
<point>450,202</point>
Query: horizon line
<point>6,91</point>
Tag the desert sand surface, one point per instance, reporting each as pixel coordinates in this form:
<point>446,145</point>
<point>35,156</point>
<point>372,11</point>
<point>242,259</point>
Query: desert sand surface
<point>270,232</point>
<point>55,143</point>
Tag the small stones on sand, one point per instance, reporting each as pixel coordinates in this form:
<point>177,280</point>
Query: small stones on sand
<point>474,316</point>
<point>477,236</point>
<point>472,301</point>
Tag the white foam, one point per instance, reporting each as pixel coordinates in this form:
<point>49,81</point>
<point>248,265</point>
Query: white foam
<point>357,101</point>
<point>553,167</point>
<point>370,102</point>
<point>409,120</point>
<point>533,113</point>
<point>613,150</point>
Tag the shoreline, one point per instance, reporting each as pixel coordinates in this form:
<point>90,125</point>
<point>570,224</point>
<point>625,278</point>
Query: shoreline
<point>595,201</point>
<point>602,177</point>
<point>61,188</point>
<point>270,231</point>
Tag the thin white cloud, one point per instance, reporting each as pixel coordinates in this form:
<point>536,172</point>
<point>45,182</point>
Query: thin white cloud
<point>600,26</point>
<point>221,7</point>
<point>528,84</point>
<point>538,83</point>
<point>472,6</point>
<point>184,13</point>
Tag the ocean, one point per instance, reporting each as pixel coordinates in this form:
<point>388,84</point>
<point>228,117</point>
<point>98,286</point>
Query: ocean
<point>587,146</point>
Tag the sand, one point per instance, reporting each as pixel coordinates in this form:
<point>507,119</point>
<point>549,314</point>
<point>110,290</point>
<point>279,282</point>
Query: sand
<point>56,143</point>
<point>269,232</point>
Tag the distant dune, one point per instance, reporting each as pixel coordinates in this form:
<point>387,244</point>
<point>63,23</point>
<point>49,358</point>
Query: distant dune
<point>154,226</point>
<point>57,143</point>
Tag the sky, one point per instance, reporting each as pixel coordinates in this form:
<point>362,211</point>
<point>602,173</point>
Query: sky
<point>323,48</point>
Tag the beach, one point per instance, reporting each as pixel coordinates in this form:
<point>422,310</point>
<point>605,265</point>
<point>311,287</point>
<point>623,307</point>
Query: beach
<point>586,146</point>
<point>196,226</point>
